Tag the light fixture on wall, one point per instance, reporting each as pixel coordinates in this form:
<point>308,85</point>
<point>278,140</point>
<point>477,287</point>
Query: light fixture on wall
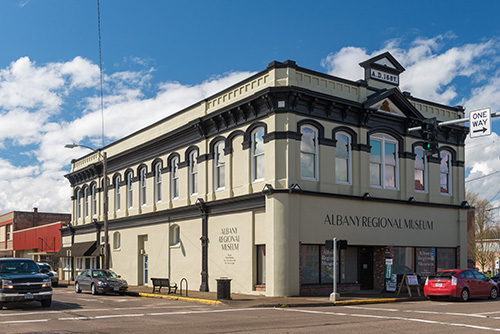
<point>465,205</point>
<point>412,200</point>
<point>367,196</point>
<point>268,189</point>
<point>295,188</point>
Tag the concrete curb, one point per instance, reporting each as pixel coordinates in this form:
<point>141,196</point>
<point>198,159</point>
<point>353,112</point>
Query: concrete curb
<point>187,299</point>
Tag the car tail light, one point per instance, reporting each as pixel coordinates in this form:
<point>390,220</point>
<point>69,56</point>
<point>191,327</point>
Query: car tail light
<point>454,280</point>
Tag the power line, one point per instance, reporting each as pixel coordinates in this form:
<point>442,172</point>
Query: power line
<point>482,177</point>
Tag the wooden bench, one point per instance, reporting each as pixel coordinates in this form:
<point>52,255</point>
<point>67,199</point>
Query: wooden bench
<point>159,283</point>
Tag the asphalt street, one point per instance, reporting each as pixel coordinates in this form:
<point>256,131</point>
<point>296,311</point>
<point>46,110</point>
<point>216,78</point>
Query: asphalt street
<point>85,313</point>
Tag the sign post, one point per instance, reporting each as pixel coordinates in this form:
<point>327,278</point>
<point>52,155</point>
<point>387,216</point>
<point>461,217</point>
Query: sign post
<point>334,295</point>
<point>480,122</point>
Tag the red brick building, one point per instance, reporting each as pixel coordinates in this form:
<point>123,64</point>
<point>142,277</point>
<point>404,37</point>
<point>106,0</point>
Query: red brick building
<point>33,234</point>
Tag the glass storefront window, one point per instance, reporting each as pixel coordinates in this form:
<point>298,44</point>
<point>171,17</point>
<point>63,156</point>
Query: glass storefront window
<point>310,264</point>
<point>446,258</point>
<point>326,265</point>
<point>426,261</point>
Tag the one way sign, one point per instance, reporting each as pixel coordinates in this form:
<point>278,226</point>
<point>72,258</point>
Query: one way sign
<point>480,122</point>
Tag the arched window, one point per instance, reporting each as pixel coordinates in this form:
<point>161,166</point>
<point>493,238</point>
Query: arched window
<point>193,173</point>
<point>219,166</point>
<point>86,201</point>
<point>142,185</point>
<point>116,182</point>
<point>78,204</point>
<point>175,235</point>
<point>117,242</point>
<point>93,194</point>
<point>343,163</point>
<point>157,169</point>
<point>420,169</point>
<point>130,190</point>
<point>445,173</point>
<point>309,153</point>
<point>174,175</point>
<point>257,155</point>
<point>384,162</point>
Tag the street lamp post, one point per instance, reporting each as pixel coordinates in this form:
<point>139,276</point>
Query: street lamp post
<point>105,200</point>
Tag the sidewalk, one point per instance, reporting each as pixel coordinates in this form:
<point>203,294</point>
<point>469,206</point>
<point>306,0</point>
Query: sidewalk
<point>248,301</point>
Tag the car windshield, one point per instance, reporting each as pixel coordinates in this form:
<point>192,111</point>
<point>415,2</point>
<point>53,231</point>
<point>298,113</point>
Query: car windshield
<point>19,266</point>
<point>443,275</point>
<point>103,274</point>
<point>45,266</point>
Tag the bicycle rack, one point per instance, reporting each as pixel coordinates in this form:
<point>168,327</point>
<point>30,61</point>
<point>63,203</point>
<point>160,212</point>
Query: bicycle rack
<point>180,286</point>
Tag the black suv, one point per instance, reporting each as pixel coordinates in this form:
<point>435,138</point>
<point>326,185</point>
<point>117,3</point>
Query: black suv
<point>23,282</point>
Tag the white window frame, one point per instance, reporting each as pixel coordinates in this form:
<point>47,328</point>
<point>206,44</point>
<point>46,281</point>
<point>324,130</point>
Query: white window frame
<point>157,169</point>
<point>93,200</point>
<point>257,157</point>
<point>117,240</point>
<point>448,173</point>
<point>349,158</point>
<point>86,202</point>
<point>314,154</point>
<point>117,182</point>
<point>143,187</point>
<point>79,204</point>
<point>219,165</point>
<point>66,264</point>
<point>193,173</point>
<point>383,139</point>
<point>130,191</point>
<point>174,178</point>
<point>424,170</point>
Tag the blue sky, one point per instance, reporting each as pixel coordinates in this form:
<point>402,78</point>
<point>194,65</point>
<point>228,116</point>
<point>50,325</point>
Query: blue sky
<point>159,56</point>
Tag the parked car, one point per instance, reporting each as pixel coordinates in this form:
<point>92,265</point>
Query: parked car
<point>22,282</point>
<point>460,283</point>
<point>496,278</point>
<point>46,269</point>
<point>100,281</point>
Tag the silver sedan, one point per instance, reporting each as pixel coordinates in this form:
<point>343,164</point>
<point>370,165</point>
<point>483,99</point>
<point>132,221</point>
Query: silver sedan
<point>100,281</point>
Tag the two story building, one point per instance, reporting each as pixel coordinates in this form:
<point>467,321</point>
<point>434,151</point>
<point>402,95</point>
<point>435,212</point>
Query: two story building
<point>250,182</point>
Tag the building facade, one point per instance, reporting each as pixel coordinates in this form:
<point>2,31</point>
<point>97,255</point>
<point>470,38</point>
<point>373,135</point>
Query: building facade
<point>249,183</point>
<point>35,235</point>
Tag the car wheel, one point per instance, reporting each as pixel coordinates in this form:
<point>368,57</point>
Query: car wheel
<point>46,302</point>
<point>55,284</point>
<point>1,306</point>
<point>464,296</point>
<point>493,293</point>
<point>77,288</point>
<point>93,289</point>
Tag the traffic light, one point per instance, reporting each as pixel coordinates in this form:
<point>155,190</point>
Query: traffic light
<point>430,135</point>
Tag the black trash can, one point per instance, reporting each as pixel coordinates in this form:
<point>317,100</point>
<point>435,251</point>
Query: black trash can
<point>223,288</point>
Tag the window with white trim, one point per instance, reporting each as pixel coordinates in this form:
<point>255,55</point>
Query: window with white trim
<point>384,162</point>
<point>219,166</point>
<point>117,181</point>
<point>143,189</point>
<point>343,161</point>
<point>445,173</point>
<point>174,174</point>
<point>93,194</point>
<point>193,173</point>
<point>157,169</point>
<point>420,169</point>
<point>86,201</point>
<point>175,235</point>
<point>79,204</point>
<point>130,190</point>
<point>309,153</point>
<point>257,155</point>
<point>117,240</point>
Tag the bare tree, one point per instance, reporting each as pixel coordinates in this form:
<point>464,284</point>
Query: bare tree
<point>482,249</point>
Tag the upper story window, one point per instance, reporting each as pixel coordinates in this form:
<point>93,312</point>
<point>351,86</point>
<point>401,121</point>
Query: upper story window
<point>142,185</point>
<point>78,204</point>
<point>193,173</point>
<point>343,163</point>
<point>309,153</point>
<point>157,169</point>
<point>86,201</point>
<point>445,173</point>
<point>219,166</point>
<point>257,154</point>
<point>117,181</point>
<point>93,200</point>
<point>420,169</point>
<point>130,190</point>
<point>174,172</point>
<point>384,162</point>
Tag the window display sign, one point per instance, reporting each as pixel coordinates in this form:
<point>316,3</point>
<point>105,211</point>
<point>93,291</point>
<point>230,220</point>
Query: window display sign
<point>426,261</point>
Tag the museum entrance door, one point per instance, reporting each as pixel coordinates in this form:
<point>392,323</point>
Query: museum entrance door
<point>365,267</point>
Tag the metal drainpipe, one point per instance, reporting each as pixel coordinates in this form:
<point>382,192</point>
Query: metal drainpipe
<point>204,246</point>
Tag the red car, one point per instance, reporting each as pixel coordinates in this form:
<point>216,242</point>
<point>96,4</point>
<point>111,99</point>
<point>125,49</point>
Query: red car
<point>460,283</point>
